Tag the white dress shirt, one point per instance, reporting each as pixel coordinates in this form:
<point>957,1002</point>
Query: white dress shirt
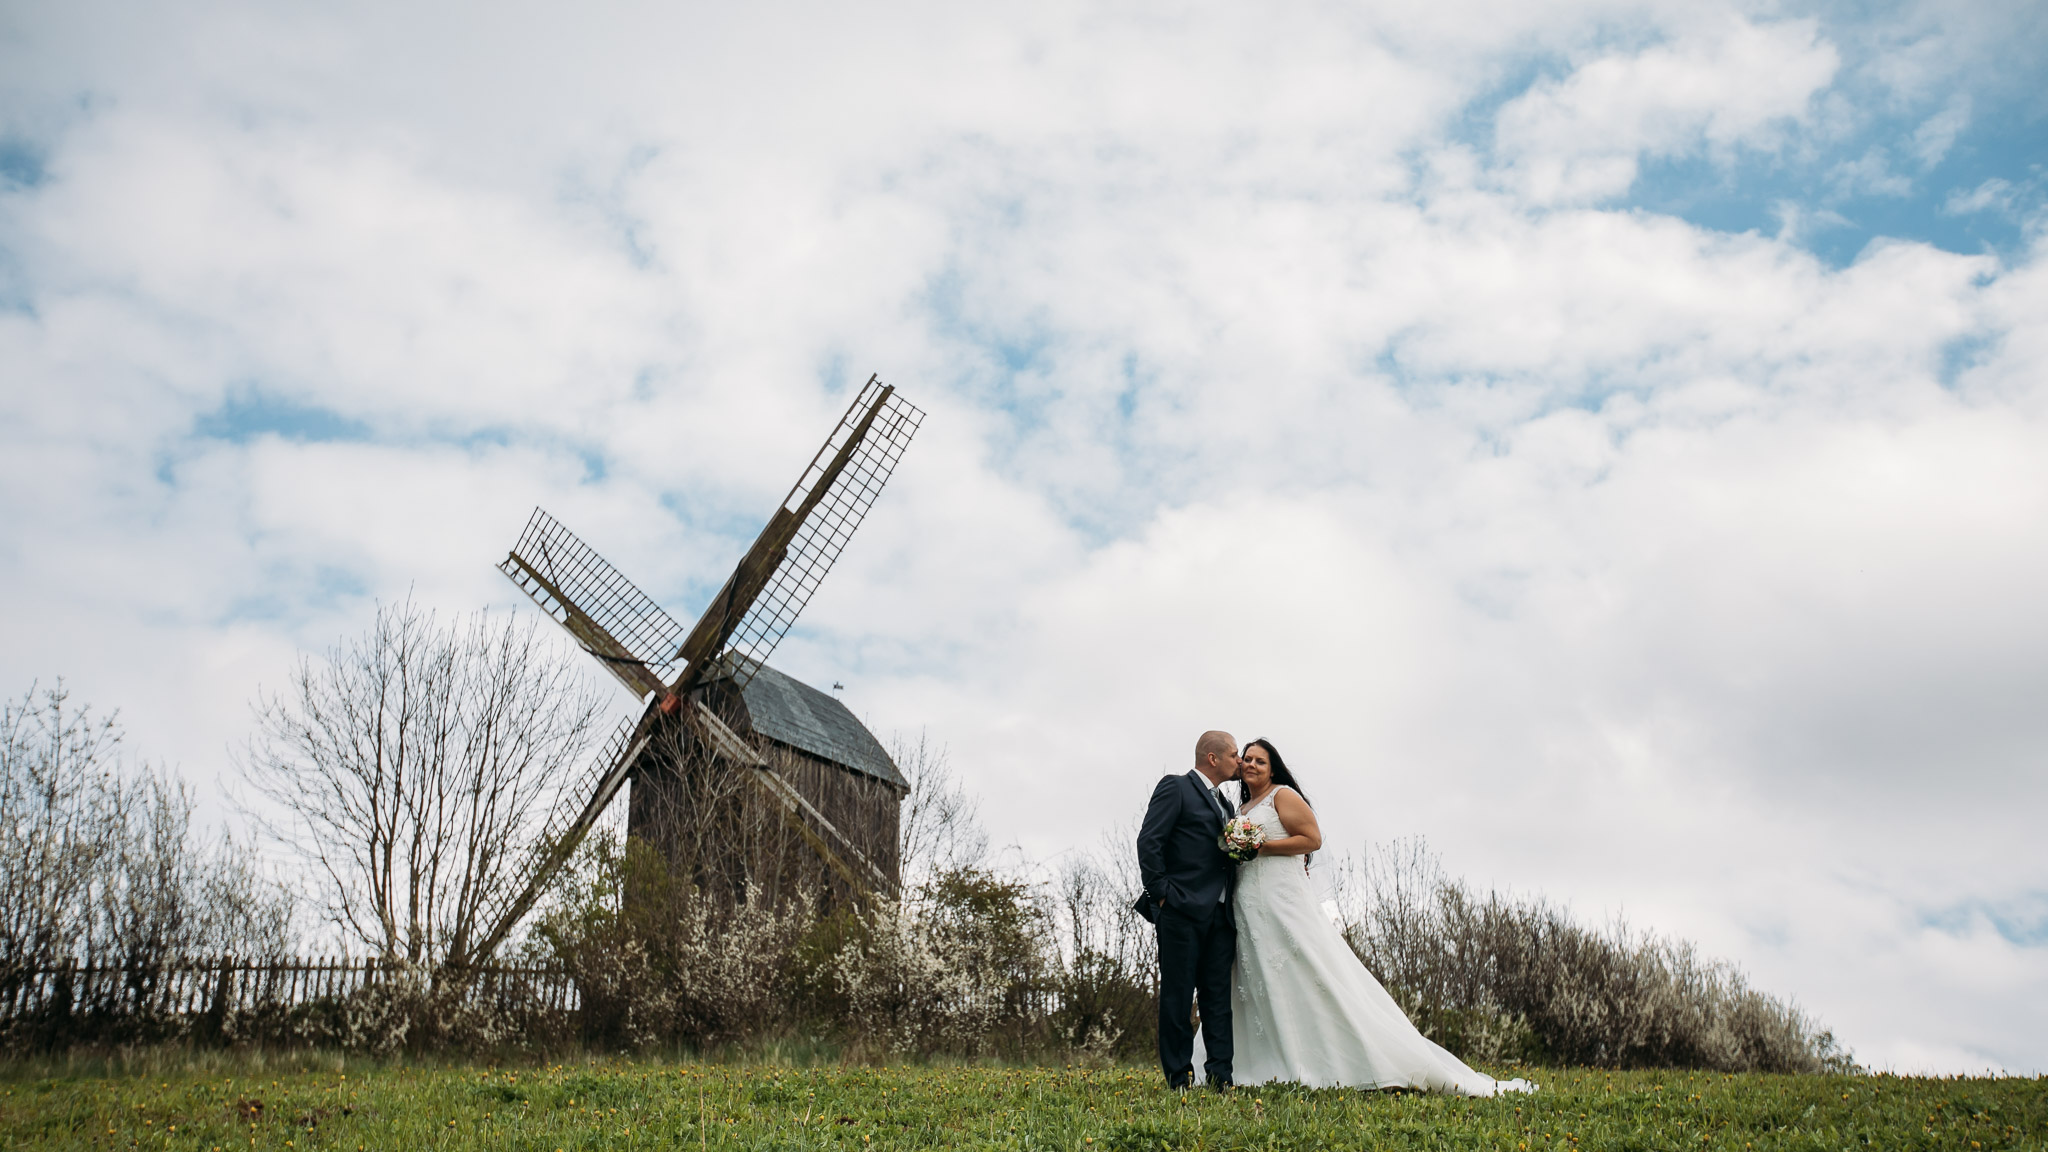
<point>1216,790</point>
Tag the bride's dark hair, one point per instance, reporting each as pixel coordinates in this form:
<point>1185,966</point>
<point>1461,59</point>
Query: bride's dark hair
<point>1281,776</point>
<point>1280,773</point>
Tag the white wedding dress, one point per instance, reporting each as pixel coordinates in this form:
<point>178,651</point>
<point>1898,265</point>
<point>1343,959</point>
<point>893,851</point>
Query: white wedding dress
<point>1305,1009</point>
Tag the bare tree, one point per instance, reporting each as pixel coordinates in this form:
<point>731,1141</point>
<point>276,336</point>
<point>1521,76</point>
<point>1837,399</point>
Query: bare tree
<point>169,892</point>
<point>415,765</point>
<point>941,823</point>
<point>1107,953</point>
<point>59,822</point>
<point>100,862</point>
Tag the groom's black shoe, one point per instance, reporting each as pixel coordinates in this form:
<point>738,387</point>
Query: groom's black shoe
<point>1222,1086</point>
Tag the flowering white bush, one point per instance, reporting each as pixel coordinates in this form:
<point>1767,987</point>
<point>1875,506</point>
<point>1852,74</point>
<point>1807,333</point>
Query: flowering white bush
<point>957,967</point>
<point>908,988</point>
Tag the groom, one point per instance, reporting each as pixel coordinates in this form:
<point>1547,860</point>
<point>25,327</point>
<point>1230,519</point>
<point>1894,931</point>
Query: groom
<point>1187,897</point>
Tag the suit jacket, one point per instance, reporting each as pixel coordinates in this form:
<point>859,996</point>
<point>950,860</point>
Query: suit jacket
<point>1178,859</point>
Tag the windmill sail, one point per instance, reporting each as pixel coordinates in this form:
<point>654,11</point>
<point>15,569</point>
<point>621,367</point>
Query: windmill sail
<point>599,782</point>
<point>803,539</point>
<point>613,620</point>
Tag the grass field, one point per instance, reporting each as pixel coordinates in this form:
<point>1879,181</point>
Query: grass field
<point>651,1104</point>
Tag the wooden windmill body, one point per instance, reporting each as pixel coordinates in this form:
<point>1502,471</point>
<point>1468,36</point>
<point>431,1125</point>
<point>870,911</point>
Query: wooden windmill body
<point>724,737</point>
<point>722,831</point>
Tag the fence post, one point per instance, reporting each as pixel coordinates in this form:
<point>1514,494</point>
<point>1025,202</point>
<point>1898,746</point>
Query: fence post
<point>213,1025</point>
<point>57,1018</point>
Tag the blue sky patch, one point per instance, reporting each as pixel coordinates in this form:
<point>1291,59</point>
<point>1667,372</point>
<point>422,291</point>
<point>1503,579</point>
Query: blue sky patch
<point>2023,922</point>
<point>22,163</point>
<point>1834,197</point>
<point>1974,201</point>
<point>249,414</point>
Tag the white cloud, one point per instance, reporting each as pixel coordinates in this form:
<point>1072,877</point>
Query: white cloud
<point>1717,87</point>
<point>1870,174</point>
<point>1933,139</point>
<point>1994,193</point>
<point>1660,569</point>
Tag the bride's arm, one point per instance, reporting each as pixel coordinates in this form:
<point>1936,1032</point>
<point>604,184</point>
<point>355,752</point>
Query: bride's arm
<point>1303,835</point>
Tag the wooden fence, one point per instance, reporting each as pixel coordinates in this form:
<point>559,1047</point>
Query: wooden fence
<point>202,994</point>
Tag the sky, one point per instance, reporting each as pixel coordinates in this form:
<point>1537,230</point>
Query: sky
<point>1606,438</point>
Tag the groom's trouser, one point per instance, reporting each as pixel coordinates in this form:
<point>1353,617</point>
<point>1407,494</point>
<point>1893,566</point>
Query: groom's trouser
<point>1194,959</point>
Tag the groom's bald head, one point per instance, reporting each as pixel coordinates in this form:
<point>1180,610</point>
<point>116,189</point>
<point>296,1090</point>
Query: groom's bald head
<point>1216,756</point>
<point>1221,745</point>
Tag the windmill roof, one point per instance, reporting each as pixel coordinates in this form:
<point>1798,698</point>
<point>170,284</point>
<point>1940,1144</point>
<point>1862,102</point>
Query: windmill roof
<point>789,711</point>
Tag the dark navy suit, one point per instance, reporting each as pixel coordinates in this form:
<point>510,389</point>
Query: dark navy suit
<point>1179,862</point>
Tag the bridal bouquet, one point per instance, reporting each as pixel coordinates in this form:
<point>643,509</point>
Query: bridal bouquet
<point>1241,839</point>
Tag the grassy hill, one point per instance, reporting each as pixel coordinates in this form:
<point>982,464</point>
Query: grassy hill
<point>652,1104</point>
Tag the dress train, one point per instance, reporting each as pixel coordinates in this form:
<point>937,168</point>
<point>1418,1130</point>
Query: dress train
<point>1306,1010</point>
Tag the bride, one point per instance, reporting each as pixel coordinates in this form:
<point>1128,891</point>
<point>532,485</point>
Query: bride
<point>1306,1008</point>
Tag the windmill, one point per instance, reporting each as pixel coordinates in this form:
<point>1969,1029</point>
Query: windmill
<point>683,676</point>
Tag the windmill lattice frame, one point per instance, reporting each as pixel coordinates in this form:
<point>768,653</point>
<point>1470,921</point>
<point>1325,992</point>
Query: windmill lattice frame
<point>836,513</point>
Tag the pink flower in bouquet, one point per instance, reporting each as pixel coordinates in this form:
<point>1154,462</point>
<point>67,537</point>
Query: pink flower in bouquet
<point>1241,839</point>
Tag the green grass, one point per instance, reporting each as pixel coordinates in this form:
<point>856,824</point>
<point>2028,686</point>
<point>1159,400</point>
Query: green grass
<point>325,1103</point>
